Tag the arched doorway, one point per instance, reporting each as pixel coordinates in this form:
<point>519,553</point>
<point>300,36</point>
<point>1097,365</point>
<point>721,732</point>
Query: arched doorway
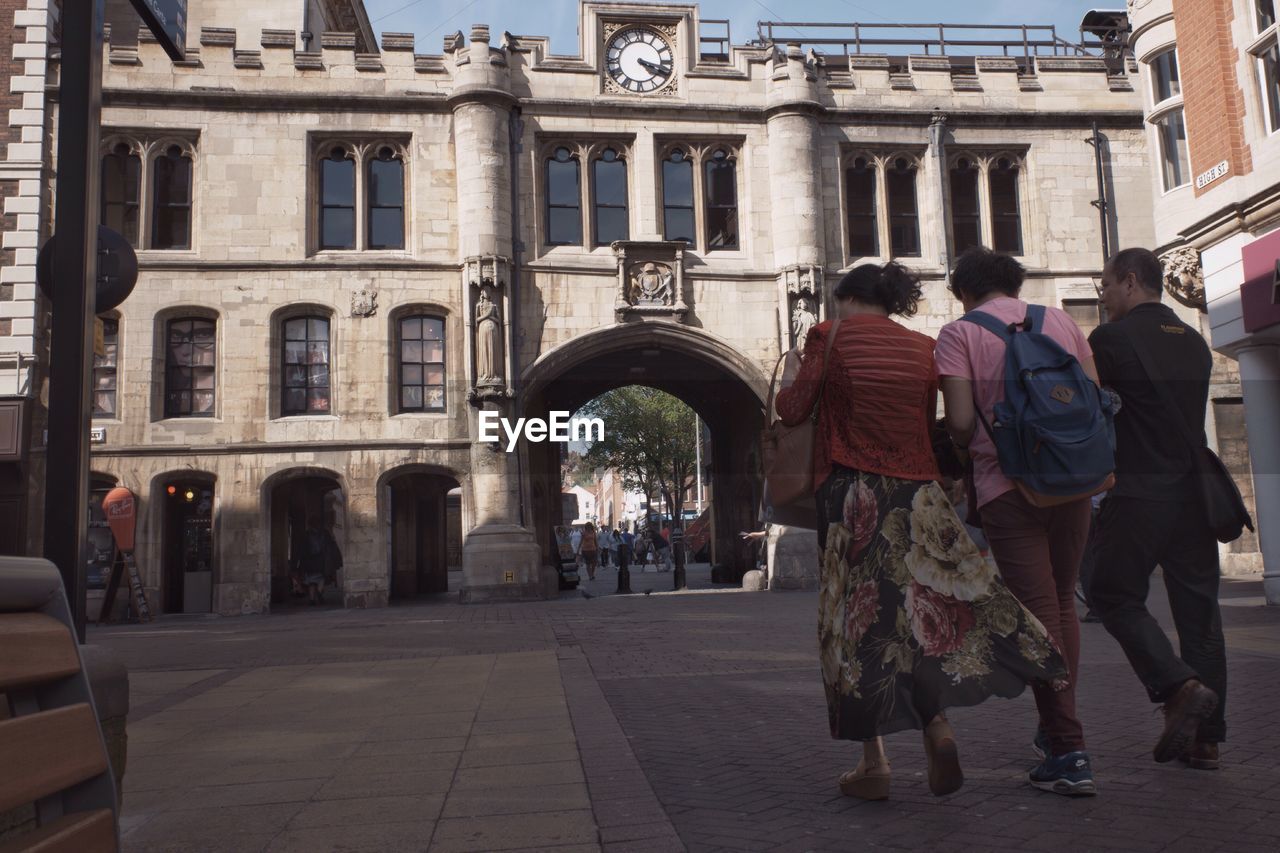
<point>298,498</point>
<point>186,541</point>
<point>723,386</point>
<point>422,513</point>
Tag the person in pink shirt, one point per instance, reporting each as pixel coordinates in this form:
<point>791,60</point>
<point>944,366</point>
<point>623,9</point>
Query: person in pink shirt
<point>1037,549</point>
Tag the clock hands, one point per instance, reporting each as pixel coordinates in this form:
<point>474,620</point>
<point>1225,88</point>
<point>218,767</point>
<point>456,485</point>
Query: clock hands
<point>654,67</point>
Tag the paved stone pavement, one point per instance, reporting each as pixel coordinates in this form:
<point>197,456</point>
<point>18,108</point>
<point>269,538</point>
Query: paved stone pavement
<point>631,723</point>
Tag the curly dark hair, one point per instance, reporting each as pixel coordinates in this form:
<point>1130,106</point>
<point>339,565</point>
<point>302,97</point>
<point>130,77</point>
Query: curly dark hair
<point>892,286</point>
<point>980,271</point>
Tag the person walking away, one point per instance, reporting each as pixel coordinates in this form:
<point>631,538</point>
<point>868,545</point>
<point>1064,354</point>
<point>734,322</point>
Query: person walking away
<point>642,550</point>
<point>1037,549</point>
<point>1155,515</point>
<point>588,549</point>
<point>912,620</point>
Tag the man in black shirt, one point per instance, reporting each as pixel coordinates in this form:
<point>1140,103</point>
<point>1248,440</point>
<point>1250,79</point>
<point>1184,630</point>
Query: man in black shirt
<point>1154,515</point>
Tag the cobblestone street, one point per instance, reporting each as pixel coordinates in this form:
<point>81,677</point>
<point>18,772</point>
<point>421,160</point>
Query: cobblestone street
<point>647,723</point>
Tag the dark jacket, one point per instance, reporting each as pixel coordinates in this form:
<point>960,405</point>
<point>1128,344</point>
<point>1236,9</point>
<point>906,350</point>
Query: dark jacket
<point>1153,462</point>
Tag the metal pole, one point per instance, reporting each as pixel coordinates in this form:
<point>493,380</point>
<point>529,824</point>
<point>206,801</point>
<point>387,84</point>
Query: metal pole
<point>71,351</point>
<point>1101,201</point>
<point>697,437</point>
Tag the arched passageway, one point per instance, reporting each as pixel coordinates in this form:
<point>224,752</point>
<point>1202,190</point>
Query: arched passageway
<point>296,499</point>
<point>722,385</point>
<point>422,510</point>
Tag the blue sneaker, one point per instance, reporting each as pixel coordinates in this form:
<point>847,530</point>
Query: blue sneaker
<point>1040,745</point>
<point>1065,774</point>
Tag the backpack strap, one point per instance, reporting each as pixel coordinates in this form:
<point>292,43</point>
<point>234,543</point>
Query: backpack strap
<point>990,323</point>
<point>1035,318</point>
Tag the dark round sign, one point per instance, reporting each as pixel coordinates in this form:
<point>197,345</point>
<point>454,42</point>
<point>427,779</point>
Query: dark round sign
<point>117,269</point>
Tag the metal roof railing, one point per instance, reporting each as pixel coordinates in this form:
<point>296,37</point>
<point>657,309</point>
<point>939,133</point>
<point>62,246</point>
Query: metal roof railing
<point>1025,40</point>
<point>713,40</point>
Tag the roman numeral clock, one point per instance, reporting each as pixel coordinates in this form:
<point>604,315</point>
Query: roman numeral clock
<point>639,59</point>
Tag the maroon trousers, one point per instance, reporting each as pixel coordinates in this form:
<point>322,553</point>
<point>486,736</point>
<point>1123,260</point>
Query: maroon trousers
<point>1038,552</point>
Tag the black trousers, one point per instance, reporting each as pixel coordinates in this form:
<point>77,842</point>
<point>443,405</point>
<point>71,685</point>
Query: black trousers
<point>1134,536</point>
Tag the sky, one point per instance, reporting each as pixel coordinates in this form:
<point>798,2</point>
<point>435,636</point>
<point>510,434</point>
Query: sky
<point>432,20</point>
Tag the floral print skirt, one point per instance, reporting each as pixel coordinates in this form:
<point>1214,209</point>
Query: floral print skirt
<point>913,619</point>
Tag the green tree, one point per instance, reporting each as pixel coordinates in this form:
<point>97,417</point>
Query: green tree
<point>648,439</point>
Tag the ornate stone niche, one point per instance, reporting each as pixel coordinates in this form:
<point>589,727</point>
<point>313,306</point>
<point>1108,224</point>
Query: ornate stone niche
<point>488,332</point>
<point>650,279</point>
<point>1184,277</point>
<point>801,286</point>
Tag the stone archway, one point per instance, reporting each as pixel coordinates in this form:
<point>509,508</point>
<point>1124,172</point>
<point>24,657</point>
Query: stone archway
<point>420,507</point>
<point>725,387</point>
<point>293,498</point>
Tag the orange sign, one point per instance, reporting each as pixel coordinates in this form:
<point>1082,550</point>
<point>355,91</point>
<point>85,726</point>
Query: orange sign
<point>120,507</point>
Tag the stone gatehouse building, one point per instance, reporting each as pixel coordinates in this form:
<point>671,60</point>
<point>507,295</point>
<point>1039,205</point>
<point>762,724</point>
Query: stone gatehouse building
<point>351,245</point>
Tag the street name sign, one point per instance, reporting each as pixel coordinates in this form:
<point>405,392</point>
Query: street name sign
<point>167,20</point>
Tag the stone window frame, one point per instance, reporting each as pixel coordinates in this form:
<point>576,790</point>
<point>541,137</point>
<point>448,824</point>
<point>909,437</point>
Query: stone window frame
<point>700,150</point>
<point>434,311</point>
<point>114,416</point>
<point>1266,40</point>
<point>880,160</point>
<point>983,160</point>
<point>584,152</point>
<point>361,148</point>
<point>275,396</point>
<point>160,359</point>
<point>148,146</point>
<point>1159,113</point>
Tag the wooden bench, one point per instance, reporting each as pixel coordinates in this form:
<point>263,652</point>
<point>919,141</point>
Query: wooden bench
<point>52,754</point>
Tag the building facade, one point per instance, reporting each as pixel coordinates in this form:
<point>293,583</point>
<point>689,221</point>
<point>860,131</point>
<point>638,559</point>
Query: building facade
<point>349,251</point>
<point>1210,79</point>
<point>24,38</point>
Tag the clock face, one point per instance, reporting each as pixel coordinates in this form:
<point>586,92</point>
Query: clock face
<point>639,60</point>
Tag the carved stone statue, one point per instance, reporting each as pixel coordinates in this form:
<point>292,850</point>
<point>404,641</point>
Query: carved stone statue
<point>652,285</point>
<point>803,318</point>
<point>1184,277</point>
<point>488,340</point>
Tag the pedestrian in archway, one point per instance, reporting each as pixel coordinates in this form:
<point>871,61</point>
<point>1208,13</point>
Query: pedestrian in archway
<point>912,619</point>
<point>321,559</point>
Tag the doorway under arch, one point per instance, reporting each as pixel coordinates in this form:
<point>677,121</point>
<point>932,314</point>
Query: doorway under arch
<point>422,513</point>
<point>187,548</point>
<point>725,388</point>
<point>296,498</point>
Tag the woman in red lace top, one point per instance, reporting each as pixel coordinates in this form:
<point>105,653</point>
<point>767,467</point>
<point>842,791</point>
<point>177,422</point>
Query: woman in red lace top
<point>912,618</point>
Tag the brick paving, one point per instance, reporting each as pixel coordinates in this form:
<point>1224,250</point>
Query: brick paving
<point>647,723</point>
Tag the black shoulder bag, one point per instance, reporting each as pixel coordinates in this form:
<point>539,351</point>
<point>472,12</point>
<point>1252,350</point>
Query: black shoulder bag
<point>1223,505</point>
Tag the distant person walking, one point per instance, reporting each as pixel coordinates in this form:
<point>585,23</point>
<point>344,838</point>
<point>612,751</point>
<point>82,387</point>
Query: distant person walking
<point>1155,515</point>
<point>606,542</point>
<point>662,551</point>
<point>912,619</point>
<point>320,561</point>
<point>626,541</point>
<point>589,550</point>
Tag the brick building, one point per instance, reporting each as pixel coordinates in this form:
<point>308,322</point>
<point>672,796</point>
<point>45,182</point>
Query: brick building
<point>1210,72</point>
<point>349,248</point>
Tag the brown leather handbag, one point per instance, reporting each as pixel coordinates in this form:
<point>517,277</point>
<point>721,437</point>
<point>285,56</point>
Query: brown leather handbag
<point>787,453</point>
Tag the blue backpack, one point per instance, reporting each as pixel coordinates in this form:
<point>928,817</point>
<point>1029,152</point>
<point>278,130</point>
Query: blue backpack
<point>1053,432</point>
